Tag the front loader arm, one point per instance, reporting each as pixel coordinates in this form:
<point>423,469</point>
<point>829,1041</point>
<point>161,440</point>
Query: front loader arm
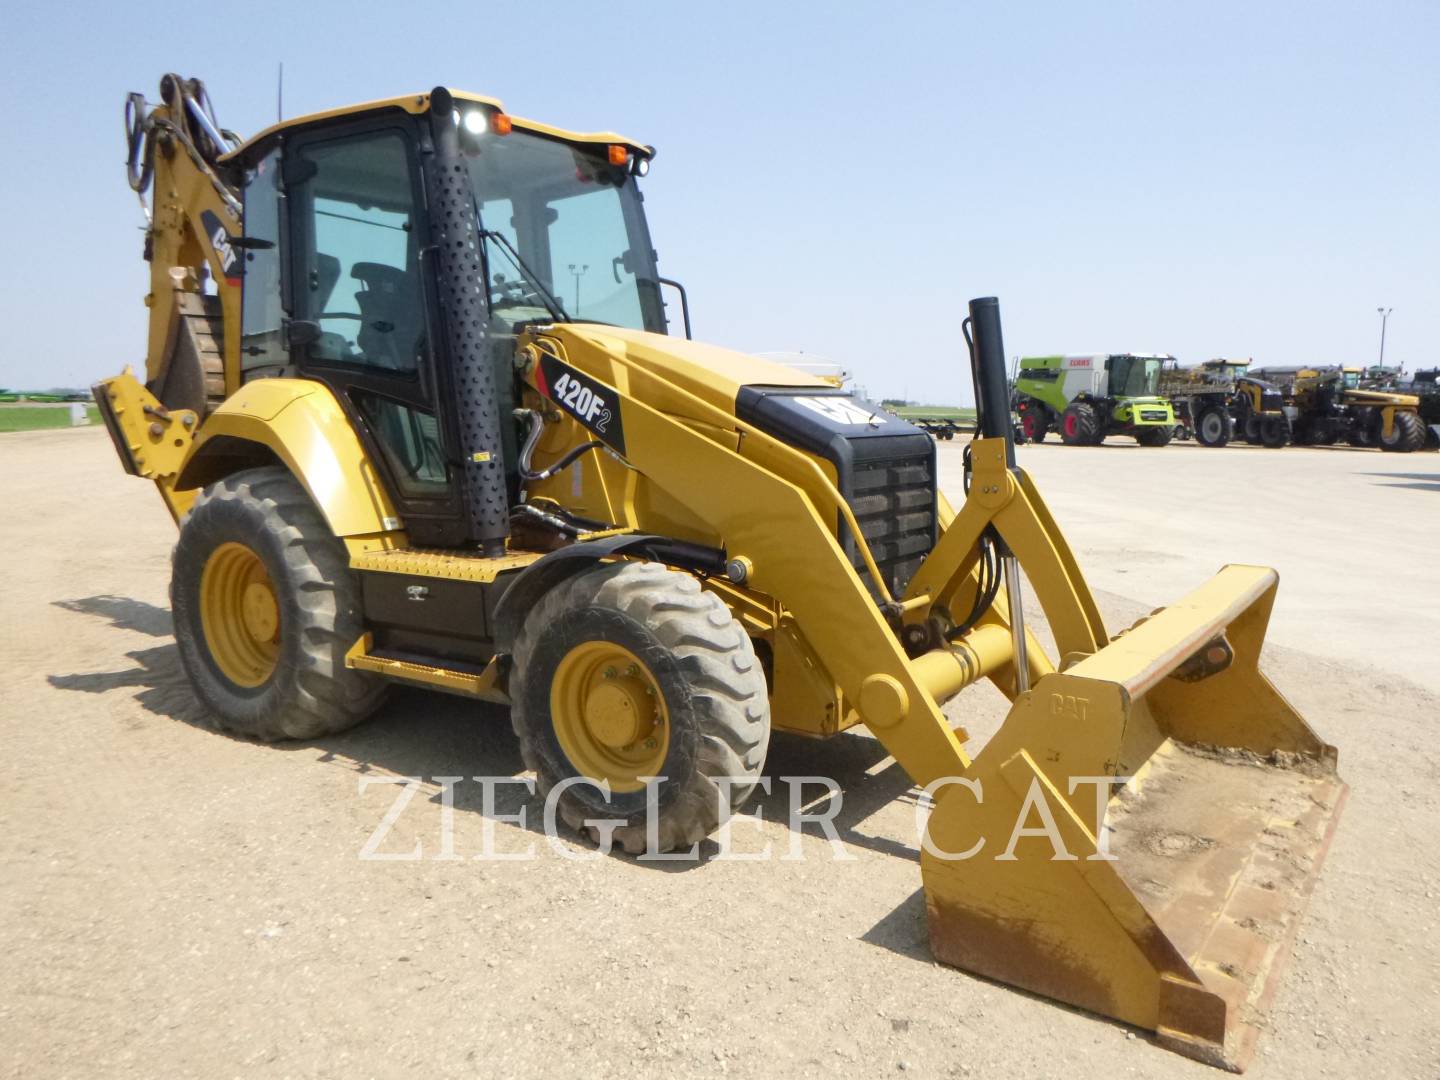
<point>1043,908</point>
<point>772,521</point>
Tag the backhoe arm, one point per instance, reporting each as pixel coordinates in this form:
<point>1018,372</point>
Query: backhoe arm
<point>193,217</point>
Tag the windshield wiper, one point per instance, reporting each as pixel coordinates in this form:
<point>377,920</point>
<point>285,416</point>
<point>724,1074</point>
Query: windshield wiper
<point>557,309</point>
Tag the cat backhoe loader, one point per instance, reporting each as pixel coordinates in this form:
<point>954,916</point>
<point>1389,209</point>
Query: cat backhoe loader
<point>413,401</point>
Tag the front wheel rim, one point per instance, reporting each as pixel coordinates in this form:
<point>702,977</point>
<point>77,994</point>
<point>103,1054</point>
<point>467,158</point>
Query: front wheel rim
<point>609,715</point>
<point>240,615</point>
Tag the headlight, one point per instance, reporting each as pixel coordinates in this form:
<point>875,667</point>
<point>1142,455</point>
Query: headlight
<point>475,122</point>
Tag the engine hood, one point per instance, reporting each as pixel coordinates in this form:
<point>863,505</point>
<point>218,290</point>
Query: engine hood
<point>707,371</point>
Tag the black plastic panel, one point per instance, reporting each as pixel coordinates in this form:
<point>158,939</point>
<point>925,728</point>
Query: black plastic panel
<point>885,468</point>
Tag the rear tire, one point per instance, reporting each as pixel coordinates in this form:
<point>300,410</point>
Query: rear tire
<point>255,554</point>
<point>1213,428</point>
<point>1407,436</point>
<point>695,683</point>
<point>1273,432</point>
<point>1079,425</point>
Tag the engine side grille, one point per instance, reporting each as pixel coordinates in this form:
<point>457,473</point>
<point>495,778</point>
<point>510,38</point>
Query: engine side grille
<point>884,468</point>
<point>894,505</point>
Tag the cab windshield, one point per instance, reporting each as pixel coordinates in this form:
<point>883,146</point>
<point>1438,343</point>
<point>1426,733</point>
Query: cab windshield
<point>1352,380</point>
<point>565,233</point>
<point>1134,376</point>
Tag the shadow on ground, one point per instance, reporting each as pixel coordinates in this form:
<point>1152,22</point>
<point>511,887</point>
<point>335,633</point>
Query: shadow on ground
<point>427,734</point>
<point>1417,481</point>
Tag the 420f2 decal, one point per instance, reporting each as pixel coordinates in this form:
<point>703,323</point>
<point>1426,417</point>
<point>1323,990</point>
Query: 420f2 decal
<point>595,405</point>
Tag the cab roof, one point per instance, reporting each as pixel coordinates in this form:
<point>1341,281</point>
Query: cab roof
<point>416,104</point>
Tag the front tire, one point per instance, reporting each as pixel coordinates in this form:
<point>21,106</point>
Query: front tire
<point>1213,428</point>
<point>629,670</point>
<point>1273,433</point>
<point>1079,425</point>
<point>265,609</point>
<point>1154,436</point>
<point>1407,436</point>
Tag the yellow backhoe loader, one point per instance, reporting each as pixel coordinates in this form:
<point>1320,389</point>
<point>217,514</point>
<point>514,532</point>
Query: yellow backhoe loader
<point>413,400</point>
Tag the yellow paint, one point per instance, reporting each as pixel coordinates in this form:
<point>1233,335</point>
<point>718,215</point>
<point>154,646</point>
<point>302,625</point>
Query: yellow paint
<point>239,614</point>
<point>301,421</point>
<point>452,565</point>
<point>485,686</point>
<point>151,440</point>
<point>416,104</point>
<point>609,715</point>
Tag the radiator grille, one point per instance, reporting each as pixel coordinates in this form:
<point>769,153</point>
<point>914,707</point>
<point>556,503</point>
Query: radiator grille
<point>894,505</point>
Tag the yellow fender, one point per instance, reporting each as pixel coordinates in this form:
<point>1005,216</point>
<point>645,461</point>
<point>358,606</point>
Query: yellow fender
<point>301,423</point>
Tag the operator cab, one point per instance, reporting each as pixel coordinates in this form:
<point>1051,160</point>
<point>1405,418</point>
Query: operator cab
<point>1133,376</point>
<point>342,279</point>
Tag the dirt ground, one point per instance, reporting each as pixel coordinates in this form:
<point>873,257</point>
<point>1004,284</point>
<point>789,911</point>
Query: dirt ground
<point>177,902</point>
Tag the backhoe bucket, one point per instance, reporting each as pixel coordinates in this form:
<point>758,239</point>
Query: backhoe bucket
<point>1142,834</point>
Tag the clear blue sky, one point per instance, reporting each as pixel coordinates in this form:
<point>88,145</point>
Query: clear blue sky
<point>1207,179</point>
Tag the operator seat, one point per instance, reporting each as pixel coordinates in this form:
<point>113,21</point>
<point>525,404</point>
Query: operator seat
<point>323,278</point>
<point>390,315</point>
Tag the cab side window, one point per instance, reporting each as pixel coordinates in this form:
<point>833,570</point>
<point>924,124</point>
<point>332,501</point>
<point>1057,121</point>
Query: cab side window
<point>262,348</point>
<point>360,279</point>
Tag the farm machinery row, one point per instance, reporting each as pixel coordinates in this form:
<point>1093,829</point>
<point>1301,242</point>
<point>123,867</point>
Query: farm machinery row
<point>1153,399</point>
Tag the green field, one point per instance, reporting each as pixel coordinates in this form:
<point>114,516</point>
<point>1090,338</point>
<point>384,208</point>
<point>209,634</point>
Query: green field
<point>933,412</point>
<point>35,417</point>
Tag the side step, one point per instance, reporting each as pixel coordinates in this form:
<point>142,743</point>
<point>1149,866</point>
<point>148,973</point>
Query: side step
<point>454,676</point>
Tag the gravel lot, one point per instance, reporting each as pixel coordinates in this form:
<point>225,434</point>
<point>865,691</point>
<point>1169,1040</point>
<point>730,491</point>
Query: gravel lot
<point>174,901</point>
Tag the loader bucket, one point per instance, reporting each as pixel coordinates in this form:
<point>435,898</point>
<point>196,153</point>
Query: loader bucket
<point>1141,836</point>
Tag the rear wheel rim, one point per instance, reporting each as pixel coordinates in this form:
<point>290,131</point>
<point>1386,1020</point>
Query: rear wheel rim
<point>240,615</point>
<point>609,715</point>
<point>1211,426</point>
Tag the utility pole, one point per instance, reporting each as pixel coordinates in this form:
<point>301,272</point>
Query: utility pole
<point>1384,318</point>
<point>577,271</point>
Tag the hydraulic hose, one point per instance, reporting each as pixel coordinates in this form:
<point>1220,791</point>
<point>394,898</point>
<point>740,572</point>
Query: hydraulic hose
<point>141,124</point>
<point>527,451</point>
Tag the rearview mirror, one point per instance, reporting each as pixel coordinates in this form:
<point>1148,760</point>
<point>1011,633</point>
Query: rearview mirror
<point>301,332</point>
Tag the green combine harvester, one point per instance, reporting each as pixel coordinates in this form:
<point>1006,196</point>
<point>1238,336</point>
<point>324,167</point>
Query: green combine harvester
<point>1086,398</point>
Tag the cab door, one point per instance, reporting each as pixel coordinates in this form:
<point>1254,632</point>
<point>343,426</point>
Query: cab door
<point>362,314</point>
